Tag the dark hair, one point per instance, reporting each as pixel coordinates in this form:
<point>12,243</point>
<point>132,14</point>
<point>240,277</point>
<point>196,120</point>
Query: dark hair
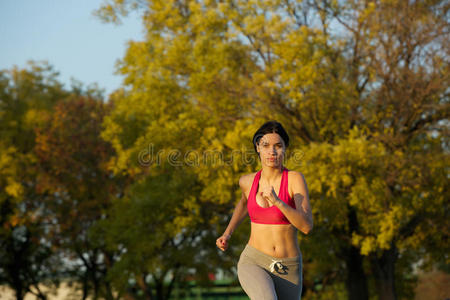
<point>270,127</point>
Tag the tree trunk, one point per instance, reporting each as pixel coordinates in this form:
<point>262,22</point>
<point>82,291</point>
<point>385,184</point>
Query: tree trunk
<point>175,270</point>
<point>85,281</point>
<point>145,287</point>
<point>19,295</point>
<point>109,262</point>
<point>17,284</point>
<point>39,295</point>
<point>356,281</point>
<point>159,290</point>
<point>384,273</point>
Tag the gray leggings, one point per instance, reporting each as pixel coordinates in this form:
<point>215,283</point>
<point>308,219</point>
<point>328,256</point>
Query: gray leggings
<point>264,277</point>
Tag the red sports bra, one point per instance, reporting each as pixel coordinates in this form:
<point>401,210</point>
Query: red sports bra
<point>272,214</point>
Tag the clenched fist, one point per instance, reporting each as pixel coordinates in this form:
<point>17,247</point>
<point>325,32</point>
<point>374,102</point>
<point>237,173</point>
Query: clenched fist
<point>269,194</point>
<point>222,242</point>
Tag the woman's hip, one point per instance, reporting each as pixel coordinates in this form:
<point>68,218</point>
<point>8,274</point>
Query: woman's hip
<point>289,268</point>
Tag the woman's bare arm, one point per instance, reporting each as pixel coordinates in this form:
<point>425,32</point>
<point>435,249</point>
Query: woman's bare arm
<point>239,214</point>
<point>240,211</point>
<point>301,216</point>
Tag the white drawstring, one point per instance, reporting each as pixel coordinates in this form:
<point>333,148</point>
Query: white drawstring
<point>276,263</point>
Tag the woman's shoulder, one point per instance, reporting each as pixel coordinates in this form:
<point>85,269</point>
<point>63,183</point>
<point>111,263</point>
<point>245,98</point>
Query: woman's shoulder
<point>246,180</point>
<point>293,178</point>
<point>294,174</point>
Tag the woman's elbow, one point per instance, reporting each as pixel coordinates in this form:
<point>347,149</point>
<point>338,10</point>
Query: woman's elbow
<point>307,229</point>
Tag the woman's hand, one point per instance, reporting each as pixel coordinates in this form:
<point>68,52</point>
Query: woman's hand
<point>222,242</point>
<point>270,196</point>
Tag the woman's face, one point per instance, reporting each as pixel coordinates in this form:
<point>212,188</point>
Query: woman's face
<point>271,149</point>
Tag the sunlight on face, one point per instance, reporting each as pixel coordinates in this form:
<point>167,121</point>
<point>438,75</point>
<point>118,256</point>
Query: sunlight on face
<point>271,148</point>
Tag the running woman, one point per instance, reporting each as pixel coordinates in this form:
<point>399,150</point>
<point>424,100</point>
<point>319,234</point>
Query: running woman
<point>276,199</point>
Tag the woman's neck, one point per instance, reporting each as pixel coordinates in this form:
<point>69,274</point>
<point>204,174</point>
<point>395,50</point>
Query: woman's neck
<point>271,174</point>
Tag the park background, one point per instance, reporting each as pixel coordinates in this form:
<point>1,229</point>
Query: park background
<point>122,191</point>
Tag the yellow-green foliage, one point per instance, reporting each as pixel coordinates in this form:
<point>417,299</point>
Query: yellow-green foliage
<point>209,73</point>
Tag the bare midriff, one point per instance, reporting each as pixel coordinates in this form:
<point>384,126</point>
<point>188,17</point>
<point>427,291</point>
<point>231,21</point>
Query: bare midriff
<point>277,240</point>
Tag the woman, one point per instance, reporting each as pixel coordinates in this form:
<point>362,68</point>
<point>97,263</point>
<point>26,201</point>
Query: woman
<point>276,199</point>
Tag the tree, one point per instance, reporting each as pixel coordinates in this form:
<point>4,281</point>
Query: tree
<point>78,187</point>
<point>166,216</point>
<point>26,259</point>
<point>346,77</point>
<point>401,76</point>
<point>163,112</point>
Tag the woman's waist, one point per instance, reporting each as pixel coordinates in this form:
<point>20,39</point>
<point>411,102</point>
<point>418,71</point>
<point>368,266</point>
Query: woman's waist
<point>266,260</point>
<point>275,240</point>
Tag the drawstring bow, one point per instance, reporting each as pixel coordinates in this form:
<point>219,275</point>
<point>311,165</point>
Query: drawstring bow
<point>275,263</point>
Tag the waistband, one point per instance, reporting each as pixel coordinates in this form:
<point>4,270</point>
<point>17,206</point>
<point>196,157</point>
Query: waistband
<point>252,251</point>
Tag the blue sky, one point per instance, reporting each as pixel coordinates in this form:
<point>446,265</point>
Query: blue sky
<point>67,35</point>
